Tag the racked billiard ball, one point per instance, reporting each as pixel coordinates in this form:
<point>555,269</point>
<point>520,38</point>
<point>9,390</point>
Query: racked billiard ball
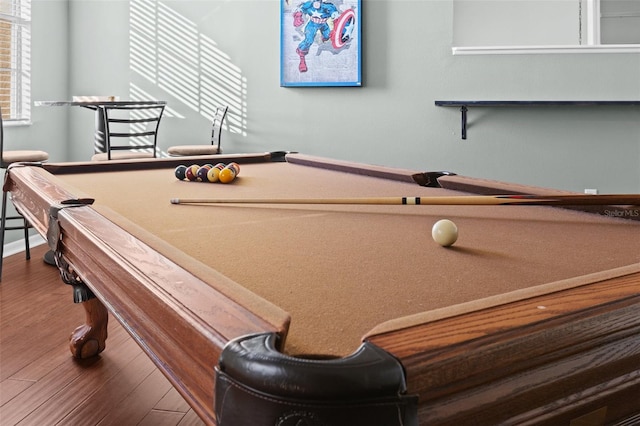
<point>191,172</point>
<point>229,173</point>
<point>180,172</point>
<point>214,172</point>
<point>201,174</point>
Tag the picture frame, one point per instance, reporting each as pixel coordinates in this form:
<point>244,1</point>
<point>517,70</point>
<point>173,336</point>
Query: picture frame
<point>320,43</point>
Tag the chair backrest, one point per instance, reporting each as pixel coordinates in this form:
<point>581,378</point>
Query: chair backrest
<point>216,132</point>
<point>132,127</point>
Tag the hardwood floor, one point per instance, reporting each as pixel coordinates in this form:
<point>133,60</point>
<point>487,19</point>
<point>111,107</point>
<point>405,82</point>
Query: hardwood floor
<point>42,384</point>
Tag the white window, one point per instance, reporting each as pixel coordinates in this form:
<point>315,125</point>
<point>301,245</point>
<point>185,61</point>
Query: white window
<point>619,22</point>
<point>546,25</point>
<point>15,63</point>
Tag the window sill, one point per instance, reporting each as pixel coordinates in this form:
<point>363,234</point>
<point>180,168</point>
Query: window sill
<point>537,50</point>
<point>17,123</point>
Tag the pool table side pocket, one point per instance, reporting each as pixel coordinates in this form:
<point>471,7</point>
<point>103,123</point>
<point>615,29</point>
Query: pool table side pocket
<point>402,175</point>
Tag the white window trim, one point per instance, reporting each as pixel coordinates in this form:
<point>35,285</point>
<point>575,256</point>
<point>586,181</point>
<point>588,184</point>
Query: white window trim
<point>528,50</point>
<point>593,22</point>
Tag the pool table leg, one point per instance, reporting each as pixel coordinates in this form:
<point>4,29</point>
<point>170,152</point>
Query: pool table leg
<point>89,339</point>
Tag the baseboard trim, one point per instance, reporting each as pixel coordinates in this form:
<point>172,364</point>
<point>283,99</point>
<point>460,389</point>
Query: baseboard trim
<point>18,246</point>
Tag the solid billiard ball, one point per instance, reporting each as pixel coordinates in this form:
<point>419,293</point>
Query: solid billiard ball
<point>180,172</point>
<point>444,232</point>
<point>229,173</point>
<point>214,172</point>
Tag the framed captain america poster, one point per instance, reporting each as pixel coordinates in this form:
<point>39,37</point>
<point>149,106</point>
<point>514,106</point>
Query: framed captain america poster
<point>320,43</point>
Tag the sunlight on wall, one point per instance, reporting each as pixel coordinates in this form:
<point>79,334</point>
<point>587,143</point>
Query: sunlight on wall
<point>169,52</point>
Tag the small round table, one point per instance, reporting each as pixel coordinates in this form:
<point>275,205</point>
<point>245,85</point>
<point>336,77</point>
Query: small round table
<point>99,145</point>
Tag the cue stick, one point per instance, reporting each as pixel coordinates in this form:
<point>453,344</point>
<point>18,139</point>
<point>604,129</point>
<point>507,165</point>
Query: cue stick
<point>475,200</point>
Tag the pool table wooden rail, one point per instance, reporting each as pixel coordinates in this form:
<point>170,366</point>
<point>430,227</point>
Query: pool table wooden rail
<point>549,358</point>
<point>566,353</point>
<point>180,321</point>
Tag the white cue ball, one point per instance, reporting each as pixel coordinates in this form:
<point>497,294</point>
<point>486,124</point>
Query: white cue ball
<point>444,232</point>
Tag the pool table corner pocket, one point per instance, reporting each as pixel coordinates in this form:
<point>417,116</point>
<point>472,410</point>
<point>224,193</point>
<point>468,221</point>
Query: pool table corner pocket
<point>259,386</point>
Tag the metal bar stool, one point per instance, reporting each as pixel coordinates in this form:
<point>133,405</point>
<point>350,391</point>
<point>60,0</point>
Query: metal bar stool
<point>205,149</point>
<point>18,222</point>
<point>130,129</point>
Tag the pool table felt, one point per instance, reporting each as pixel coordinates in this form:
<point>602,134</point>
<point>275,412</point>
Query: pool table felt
<point>339,271</point>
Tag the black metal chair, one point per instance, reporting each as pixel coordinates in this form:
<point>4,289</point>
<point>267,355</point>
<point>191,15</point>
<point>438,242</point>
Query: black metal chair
<point>18,222</point>
<point>130,130</point>
<point>214,148</point>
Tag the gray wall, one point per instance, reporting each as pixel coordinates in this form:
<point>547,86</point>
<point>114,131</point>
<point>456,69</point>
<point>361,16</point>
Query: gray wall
<point>204,52</point>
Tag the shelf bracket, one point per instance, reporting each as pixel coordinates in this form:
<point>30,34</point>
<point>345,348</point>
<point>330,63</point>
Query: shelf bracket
<point>463,124</point>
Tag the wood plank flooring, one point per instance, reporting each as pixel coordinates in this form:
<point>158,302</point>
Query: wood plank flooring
<point>42,384</point>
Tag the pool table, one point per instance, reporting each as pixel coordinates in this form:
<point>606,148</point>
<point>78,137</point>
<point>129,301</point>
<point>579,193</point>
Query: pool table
<point>270,314</point>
